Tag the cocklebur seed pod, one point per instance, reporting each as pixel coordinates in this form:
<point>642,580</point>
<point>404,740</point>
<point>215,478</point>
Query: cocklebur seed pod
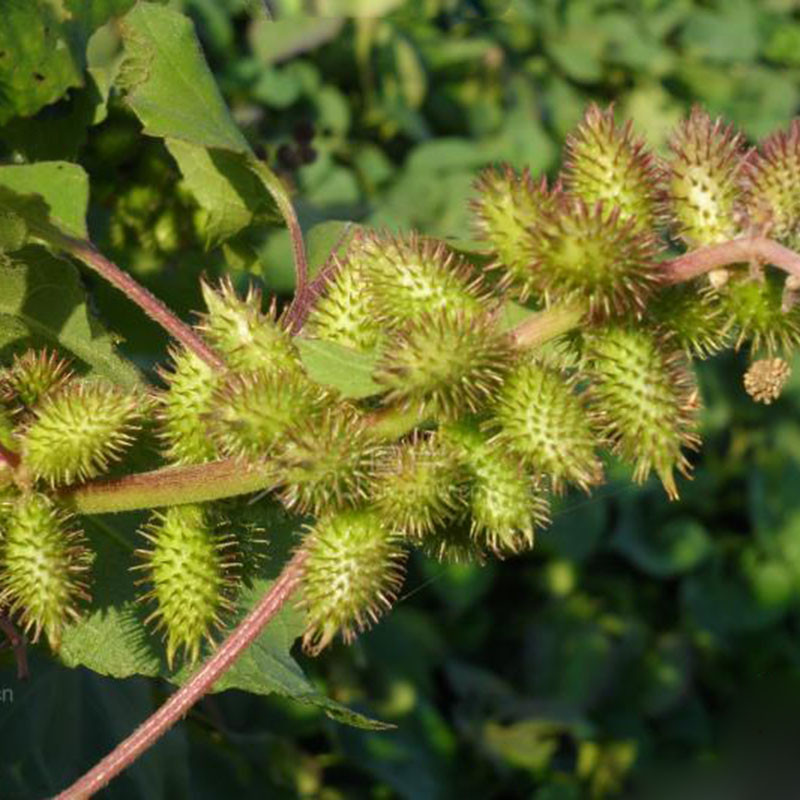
<point>697,320</point>
<point>595,256</point>
<point>191,570</point>
<point>182,408</point>
<point>607,164</point>
<point>507,206</point>
<point>346,313</point>
<point>420,486</point>
<point>353,571</point>
<point>79,431</point>
<point>251,411</point>
<point>644,399</point>
<point>414,275</point>
<point>765,379</point>
<point>754,308</point>
<point>541,418</point>
<point>247,338</point>
<point>43,564</point>
<point>704,177</point>
<point>444,363</point>
<point>773,174</point>
<point>326,461</point>
<point>31,377</point>
<point>506,505</point>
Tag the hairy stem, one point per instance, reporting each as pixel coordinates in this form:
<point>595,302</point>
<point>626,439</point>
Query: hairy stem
<point>169,486</point>
<point>746,249</point>
<point>84,251</point>
<point>18,644</point>
<point>153,728</point>
<point>540,328</point>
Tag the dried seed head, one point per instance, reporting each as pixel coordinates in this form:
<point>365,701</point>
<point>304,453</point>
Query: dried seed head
<point>507,207</point>
<point>594,255</point>
<point>76,433</point>
<point>644,399</point>
<point>353,571</point>
<point>705,172</point>
<point>607,164</point>
<point>31,377</point>
<point>542,419</point>
<point>773,174</point>
<point>43,561</point>
<point>420,486</point>
<point>765,379</point>
<point>445,363</point>
<point>346,312</point>
<point>191,570</point>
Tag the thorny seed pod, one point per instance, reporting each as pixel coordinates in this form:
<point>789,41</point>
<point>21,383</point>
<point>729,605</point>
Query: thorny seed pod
<point>76,433</point>
<point>593,255</point>
<point>346,313</point>
<point>754,306</point>
<point>696,320</point>
<point>420,486</point>
<point>445,363</point>
<point>191,570</point>
<point>644,399</point>
<point>541,418</point>
<point>607,164</point>
<point>250,412</point>
<point>246,337</point>
<point>352,573</point>
<point>507,207</point>
<point>326,461</point>
<point>414,275</point>
<point>765,379</point>
<point>31,377</point>
<point>506,505</point>
<point>182,408</point>
<point>773,174</point>
<point>705,172</point>
<point>43,561</point>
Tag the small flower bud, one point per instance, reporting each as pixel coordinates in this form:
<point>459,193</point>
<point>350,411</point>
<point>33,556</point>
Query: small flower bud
<point>765,379</point>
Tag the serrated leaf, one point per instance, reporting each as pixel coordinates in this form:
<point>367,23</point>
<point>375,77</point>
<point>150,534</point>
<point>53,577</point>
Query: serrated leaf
<point>42,303</point>
<point>50,197</point>
<point>340,367</point>
<point>169,85</point>
<point>43,49</point>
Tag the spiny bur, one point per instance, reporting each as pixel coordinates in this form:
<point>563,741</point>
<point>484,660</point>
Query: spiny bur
<point>79,431</point>
<point>43,566</point>
<point>644,400</point>
<point>352,573</point>
<point>765,379</point>
<point>32,376</point>
<point>191,570</point>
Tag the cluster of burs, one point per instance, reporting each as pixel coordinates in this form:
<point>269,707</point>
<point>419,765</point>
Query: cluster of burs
<point>478,422</point>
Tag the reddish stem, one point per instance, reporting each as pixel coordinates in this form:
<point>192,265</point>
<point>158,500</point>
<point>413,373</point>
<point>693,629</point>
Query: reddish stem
<point>8,457</point>
<point>714,256</point>
<point>184,698</point>
<point>84,251</point>
<point>18,645</point>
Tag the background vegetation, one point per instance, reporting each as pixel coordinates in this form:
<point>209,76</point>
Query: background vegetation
<point>645,648</point>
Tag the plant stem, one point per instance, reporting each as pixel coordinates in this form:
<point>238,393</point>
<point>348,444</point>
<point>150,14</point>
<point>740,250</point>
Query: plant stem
<point>85,251</point>
<point>540,328</point>
<point>746,249</point>
<point>168,486</point>
<point>184,698</point>
<point>18,645</point>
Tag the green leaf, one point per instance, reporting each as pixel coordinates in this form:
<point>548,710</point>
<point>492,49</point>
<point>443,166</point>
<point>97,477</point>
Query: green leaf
<point>340,367</point>
<point>276,40</point>
<point>169,85</point>
<point>328,239</point>
<point>43,49</point>
<point>50,197</point>
<point>42,303</point>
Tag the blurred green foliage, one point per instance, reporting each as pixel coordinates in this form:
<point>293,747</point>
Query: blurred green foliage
<point>645,648</point>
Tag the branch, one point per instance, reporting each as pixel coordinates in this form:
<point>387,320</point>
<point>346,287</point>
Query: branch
<point>18,645</point>
<point>169,486</point>
<point>84,251</point>
<point>153,728</point>
<point>540,328</point>
<point>746,249</point>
